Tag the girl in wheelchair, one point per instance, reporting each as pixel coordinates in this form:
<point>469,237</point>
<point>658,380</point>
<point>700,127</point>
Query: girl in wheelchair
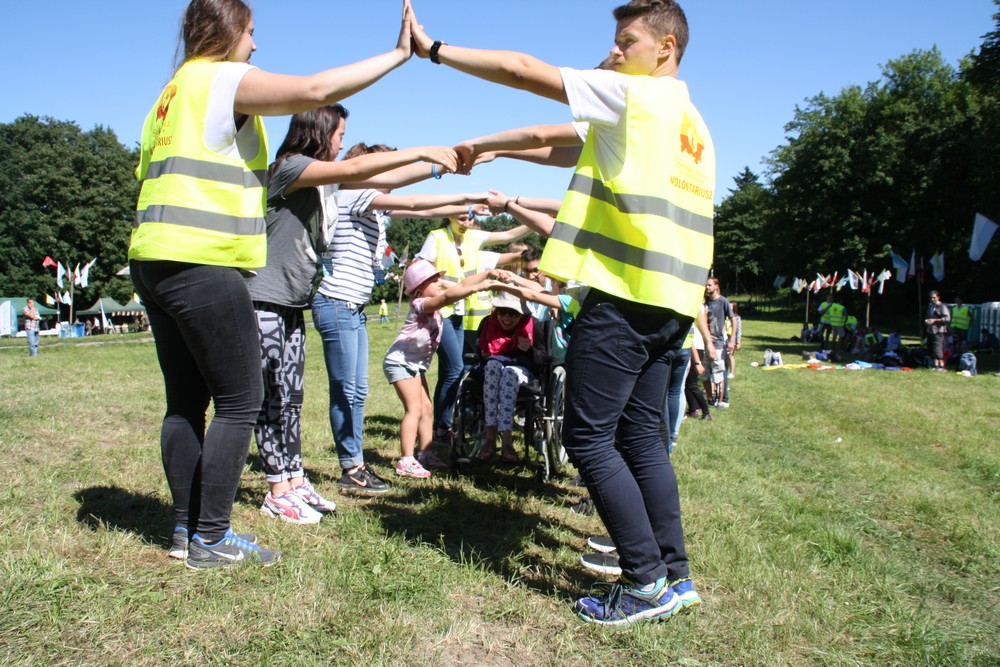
<point>512,347</point>
<point>408,357</point>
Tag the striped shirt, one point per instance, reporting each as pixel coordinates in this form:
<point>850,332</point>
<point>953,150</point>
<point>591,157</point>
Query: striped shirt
<point>357,245</point>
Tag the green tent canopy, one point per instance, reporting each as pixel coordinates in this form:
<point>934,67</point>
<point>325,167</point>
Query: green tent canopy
<point>111,307</point>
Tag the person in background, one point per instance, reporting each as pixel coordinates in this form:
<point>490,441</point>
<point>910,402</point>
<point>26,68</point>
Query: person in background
<point>936,325</point>
<point>31,319</point>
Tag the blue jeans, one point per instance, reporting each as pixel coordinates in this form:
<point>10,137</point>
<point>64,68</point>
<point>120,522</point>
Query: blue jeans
<point>32,343</point>
<point>617,368</point>
<point>208,348</point>
<point>343,329</point>
<point>674,409</point>
<point>449,370</point>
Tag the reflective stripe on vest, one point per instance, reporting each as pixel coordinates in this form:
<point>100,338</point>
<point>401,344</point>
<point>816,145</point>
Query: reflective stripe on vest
<point>197,205</point>
<point>961,318</point>
<point>642,232</point>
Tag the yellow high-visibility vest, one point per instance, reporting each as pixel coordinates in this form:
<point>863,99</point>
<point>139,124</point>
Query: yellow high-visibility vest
<point>852,322</point>
<point>824,310</point>
<point>961,317</point>
<point>838,315</point>
<point>196,205</point>
<point>644,233</point>
<point>455,268</point>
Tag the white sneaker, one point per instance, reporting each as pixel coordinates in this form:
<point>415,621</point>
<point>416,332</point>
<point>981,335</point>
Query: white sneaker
<point>289,507</point>
<point>306,492</point>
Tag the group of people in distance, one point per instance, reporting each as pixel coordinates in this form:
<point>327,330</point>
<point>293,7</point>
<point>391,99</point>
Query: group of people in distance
<point>225,247</point>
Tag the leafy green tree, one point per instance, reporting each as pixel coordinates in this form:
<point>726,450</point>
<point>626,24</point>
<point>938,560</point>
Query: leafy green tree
<point>739,238</point>
<point>64,193</point>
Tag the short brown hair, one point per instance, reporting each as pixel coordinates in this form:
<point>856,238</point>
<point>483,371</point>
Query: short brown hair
<point>663,16</point>
<point>364,149</point>
<point>211,28</point>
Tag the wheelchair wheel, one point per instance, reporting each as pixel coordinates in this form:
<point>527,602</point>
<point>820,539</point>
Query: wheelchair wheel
<point>555,454</point>
<point>469,423</point>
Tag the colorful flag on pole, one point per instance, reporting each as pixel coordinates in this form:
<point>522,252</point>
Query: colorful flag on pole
<point>48,261</point>
<point>937,262</point>
<point>76,275</point>
<point>60,274</point>
<point>104,318</point>
<point>982,232</point>
<point>882,277</point>
<point>911,270</point>
<point>85,273</point>
<point>49,301</point>
<point>853,278</point>
<point>900,265</point>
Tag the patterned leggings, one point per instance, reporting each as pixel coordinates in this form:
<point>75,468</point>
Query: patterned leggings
<point>500,384</point>
<point>282,357</point>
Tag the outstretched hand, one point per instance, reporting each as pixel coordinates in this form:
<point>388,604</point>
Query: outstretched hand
<point>441,155</point>
<point>466,156</point>
<point>405,41</point>
<point>421,42</point>
<point>496,202</point>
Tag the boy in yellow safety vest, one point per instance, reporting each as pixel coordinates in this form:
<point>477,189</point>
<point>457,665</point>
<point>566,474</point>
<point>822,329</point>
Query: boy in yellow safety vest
<point>636,227</point>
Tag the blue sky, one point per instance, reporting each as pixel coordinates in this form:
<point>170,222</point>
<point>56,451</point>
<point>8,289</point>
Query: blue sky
<point>748,65</point>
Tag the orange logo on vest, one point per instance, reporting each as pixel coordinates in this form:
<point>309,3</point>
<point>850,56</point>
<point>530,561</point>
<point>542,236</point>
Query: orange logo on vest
<point>161,115</point>
<point>691,141</point>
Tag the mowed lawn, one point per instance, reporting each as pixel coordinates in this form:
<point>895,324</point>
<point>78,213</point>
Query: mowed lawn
<point>832,518</point>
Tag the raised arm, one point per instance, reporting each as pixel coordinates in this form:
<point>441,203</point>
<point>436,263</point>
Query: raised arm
<point>506,236</point>
<point>519,142</point>
<point>553,156</point>
<point>424,202</point>
<point>508,68</point>
<point>537,221</point>
<point>544,298</point>
<point>365,167</point>
<point>457,292</point>
<point>397,178</point>
<point>262,93</point>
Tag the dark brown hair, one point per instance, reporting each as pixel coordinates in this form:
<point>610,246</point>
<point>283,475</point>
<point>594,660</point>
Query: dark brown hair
<point>664,17</point>
<point>309,134</point>
<point>211,28</point>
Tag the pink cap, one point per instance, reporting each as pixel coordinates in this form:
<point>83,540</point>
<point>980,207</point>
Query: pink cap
<point>417,273</point>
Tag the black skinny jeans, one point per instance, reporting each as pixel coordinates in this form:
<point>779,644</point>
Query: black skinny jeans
<point>208,348</point>
<point>617,371</point>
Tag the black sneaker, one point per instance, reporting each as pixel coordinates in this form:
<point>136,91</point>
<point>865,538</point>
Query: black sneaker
<point>584,507</point>
<point>363,480</point>
<point>601,543</point>
<point>605,563</point>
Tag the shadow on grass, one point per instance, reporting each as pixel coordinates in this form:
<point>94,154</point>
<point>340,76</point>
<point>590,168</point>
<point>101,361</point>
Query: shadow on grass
<point>510,541</point>
<point>116,508</point>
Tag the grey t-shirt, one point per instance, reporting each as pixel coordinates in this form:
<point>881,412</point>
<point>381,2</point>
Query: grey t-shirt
<point>293,225</point>
<point>718,312</point>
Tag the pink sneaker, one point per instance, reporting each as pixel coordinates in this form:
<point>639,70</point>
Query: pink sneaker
<point>289,507</point>
<point>412,468</point>
<point>430,459</point>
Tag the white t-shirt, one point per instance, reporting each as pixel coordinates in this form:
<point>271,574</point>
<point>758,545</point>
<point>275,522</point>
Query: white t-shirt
<point>597,98</point>
<point>221,134</point>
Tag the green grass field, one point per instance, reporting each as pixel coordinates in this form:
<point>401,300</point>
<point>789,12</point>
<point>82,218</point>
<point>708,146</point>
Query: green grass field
<point>832,518</point>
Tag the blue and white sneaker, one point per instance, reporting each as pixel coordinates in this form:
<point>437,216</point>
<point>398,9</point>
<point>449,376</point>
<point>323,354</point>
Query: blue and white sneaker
<point>686,593</point>
<point>230,550</point>
<point>179,542</point>
<point>624,603</point>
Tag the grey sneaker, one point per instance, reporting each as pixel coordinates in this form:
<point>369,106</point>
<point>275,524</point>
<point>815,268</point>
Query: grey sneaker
<point>228,551</point>
<point>179,542</point>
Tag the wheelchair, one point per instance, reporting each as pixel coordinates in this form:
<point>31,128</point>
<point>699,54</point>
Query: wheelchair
<point>538,416</point>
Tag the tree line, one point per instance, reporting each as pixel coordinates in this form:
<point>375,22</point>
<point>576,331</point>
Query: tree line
<point>903,163</point>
